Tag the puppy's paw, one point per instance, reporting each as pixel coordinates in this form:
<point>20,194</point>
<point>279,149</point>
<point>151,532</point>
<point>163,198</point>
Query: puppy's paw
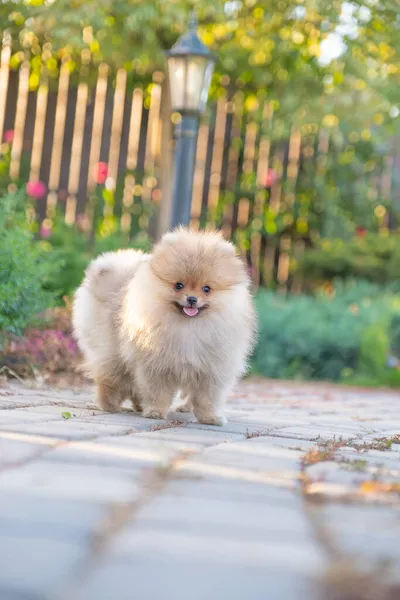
<point>136,404</point>
<point>109,407</point>
<point>108,399</point>
<point>185,408</point>
<point>210,419</point>
<point>154,413</point>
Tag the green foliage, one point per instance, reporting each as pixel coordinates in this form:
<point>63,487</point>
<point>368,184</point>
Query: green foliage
<point>331,196</point>
<point>386,378</point>
<point>5,163</point>
<point>324,337</point>
<point>374,349</point>
<point>395,335</point>
<point>272,47</point>
<point>269,59</point>
<point>25,268</point>
<point>35,274</point>
<point>74,249</point>
<point>70,246</point>
<point>375,258</point>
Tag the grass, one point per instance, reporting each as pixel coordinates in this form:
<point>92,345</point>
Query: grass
<point>381,444</point>
<point>253,434</point>
<point>326,450</point>
<point>354,465</point>
<point>389,378</point>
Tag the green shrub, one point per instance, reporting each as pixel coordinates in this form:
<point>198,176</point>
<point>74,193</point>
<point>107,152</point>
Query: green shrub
<point>374,349</point>
<point>395,335</point>
<point>74,250</point>
<point>324,337</point>
<point>26,266</point>
<point>375,258</point>
<point>37,273</point>
<point>70,247</point>
<point>386,378</point>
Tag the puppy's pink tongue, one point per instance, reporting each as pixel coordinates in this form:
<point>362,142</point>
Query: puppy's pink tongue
<point>190,312</point>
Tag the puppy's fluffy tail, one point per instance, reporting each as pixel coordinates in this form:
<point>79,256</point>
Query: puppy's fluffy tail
<point>109,272</point>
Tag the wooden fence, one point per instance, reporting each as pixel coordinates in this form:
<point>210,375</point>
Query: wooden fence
<point>61,135</point>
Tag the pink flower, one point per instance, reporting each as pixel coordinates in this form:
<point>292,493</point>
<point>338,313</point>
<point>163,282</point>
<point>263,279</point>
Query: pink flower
<point>271,179</point>
<point>71,346</point>
<point>45,232</point>
<point>361,231</point>
<point>8,136</point>
<point>36,189</point>
<point>100,172</point>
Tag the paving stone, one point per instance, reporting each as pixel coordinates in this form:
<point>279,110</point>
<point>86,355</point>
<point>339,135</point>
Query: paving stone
<point>90,483</point>
<point>262,456</point>
<point>274,440</point>
<point>127,452</point>
<point>207,547</point>
<point>200,437</point>
<point>22,416</point>
<point>226,469</point>
<point>68,429</point>
<point>24,515</point>
<point>379,541</point>
<point>316,433</point>
<point>187,484</point>
<point>162,576</point>
<point>232,427</point>
<point>35,566</point>
<point>14,594</point>
<point>55,412</point>
<point>16,452</point>
<point>229,509</point>
<point>126,418</point>
<point>225,517</point>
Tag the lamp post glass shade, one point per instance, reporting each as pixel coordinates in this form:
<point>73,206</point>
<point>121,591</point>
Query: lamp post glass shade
<point>190,68</point>
<point>190,78</point>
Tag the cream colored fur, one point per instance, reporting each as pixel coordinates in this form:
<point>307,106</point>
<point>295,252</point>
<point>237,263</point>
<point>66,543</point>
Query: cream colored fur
<point>136,340</point>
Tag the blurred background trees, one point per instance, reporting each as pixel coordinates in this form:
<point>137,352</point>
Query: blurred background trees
<point>308,56</point>
<point>324,64</point>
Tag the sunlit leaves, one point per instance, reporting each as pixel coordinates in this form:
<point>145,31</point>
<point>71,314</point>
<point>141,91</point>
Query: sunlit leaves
<point>274,46</point>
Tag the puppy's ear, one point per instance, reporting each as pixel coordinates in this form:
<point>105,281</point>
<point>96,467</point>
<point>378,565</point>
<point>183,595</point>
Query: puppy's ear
<point>166,246</point>
<point>169,237</point>
<point>101,279</point>
<point>228,248</point>
<point>178,233</point>
<point>107,273</point>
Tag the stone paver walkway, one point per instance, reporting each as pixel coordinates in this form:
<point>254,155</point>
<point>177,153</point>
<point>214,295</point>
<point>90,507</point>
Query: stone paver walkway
<point>298,495</point>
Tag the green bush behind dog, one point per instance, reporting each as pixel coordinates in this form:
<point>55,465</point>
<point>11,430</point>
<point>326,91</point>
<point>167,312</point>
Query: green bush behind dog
<point>349,333</point>
<point>26,267</point>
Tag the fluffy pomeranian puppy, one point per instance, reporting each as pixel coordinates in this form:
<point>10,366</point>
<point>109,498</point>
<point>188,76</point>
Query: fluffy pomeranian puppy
<point>180,319</point>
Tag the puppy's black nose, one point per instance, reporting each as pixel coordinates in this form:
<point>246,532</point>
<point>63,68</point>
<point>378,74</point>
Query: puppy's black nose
<point>191,300</point>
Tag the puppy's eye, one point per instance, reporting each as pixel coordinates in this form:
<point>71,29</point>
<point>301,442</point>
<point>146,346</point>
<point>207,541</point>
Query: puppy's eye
<point>178,286</point>
<point>206,289</point>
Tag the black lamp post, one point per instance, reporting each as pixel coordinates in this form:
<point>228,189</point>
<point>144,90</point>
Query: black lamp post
<point>190,68</point>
